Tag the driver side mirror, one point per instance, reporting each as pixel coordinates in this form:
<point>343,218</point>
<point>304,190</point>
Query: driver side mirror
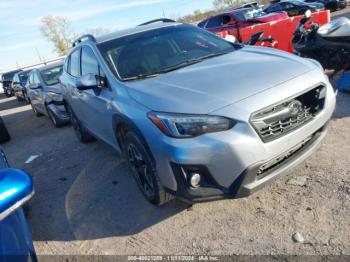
<point>16,188</point>
<point>90,81</point>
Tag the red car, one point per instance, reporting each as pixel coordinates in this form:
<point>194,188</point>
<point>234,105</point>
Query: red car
<point>235,19</point>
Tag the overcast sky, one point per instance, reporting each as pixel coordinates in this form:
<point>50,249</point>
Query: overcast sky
<point>21,40</point>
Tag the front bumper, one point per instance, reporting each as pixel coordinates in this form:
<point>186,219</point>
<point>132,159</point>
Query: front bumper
<point>59,110</point>
<point>248,181</point>
<point>230,160</point>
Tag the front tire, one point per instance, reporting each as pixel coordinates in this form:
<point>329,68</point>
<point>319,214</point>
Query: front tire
<point>38,114</point>
<point>4,134</point>
<point>143,170</point>
<point>83,135</point>
<point>54,119</point>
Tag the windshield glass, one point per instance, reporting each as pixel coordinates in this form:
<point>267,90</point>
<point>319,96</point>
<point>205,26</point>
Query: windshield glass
<point>51,75</point>
<point>8,76</point>
<point>249,14</point>
<point>23,77</point>
<point>158,51</point>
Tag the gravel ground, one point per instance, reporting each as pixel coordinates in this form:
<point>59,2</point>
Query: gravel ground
<point>87,203</point>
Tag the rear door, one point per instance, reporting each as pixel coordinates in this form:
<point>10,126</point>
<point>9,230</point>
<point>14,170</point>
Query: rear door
<point>38,94</point>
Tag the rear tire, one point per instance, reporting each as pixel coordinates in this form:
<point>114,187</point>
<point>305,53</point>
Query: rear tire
<point>83,135</point>
<point>8,92</point>
<point>143,169</point>
<point>4,134</point>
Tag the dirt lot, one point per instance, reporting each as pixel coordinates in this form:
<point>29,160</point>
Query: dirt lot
<point>87,203</point>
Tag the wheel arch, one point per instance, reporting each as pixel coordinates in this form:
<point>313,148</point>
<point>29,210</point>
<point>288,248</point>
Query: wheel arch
<point>122,124</point>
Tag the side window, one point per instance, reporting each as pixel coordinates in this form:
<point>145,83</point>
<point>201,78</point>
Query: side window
<point>74,65</point>
<point>89,64</point>
<point>36,79</point>
<point>214,22</point>
<point>225,19</point>
<point>15,78</point>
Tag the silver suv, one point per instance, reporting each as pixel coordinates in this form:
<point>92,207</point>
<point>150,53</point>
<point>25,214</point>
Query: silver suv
<point>196,117</point>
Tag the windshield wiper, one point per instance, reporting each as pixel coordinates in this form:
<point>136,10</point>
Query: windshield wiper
<point>201,58</point>
<point>141,76</point>
<point>190,62</point>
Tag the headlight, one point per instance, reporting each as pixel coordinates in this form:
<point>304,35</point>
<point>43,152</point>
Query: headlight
<point>55,96</point>
<point>184,126</point>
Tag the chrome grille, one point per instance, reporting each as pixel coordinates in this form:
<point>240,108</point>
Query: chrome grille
<point>278,120</point>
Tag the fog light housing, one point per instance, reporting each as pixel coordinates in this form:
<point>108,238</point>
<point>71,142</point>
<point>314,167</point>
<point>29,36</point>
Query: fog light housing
<point>195,180</point>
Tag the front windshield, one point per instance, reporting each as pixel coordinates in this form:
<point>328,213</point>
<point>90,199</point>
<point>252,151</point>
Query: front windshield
<point>157,51</point>
<point>51,75</point>
<point>249,14</point>
<point>8,76</point>
<point>23,76</point>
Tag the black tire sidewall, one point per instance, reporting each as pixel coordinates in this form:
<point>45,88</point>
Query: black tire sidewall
<point>55,121</point>
<point>131,137</point>
<point>83,135</point>
<point>4,134</point>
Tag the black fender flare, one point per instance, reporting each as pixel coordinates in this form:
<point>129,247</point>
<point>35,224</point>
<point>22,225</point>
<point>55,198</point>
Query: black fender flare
<point>120,120</point>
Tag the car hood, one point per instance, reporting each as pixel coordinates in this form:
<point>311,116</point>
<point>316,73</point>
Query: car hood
<point>214,83</point>
<point>55,88</point>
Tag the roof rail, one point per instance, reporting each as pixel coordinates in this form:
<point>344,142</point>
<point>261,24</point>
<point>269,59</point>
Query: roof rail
<point>164,20</point>
<point>80,39</point>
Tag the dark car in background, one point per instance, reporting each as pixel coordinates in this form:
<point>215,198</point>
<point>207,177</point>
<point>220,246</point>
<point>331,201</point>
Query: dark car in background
<point>331,5</point>
<point>19,85</point>
<point>294,8</point>
<point>235,19</point>
<point>6,80</point>
<point>45,93</point>
<point>255,5</point>
<point>16,188</point>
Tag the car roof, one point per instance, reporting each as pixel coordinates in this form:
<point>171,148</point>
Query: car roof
<point>24,71</point>
<point>49,66</point>
<point>134,30</point>
<point>235,11</point>
<point>12,71</point>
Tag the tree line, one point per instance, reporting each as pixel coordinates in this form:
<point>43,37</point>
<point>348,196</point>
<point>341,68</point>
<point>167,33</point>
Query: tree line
<point>59,32</point>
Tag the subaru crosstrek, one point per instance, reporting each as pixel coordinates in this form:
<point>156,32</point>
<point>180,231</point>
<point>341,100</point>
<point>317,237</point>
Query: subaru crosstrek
<point>196,117</point>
